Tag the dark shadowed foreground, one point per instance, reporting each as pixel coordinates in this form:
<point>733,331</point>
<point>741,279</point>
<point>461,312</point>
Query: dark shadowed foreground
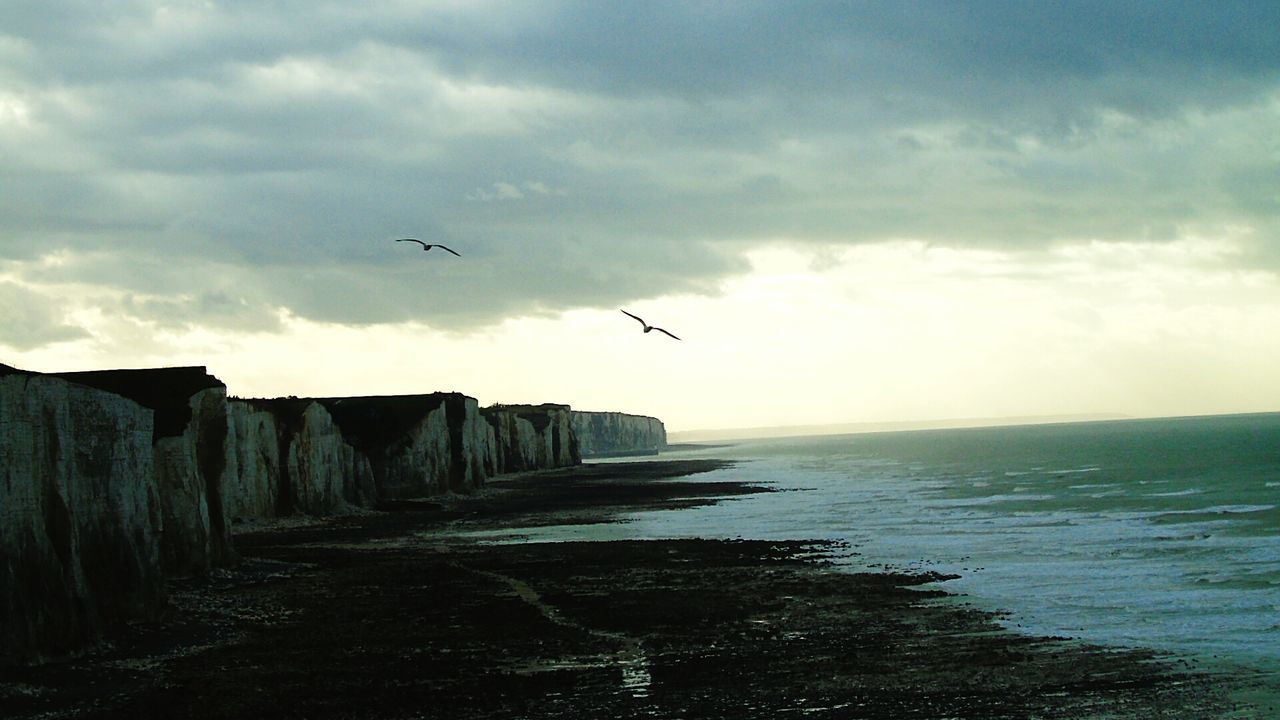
<point>400,614</point>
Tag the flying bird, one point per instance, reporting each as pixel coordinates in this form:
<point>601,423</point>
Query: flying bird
<point>425,246</point>
<point>648,327</point>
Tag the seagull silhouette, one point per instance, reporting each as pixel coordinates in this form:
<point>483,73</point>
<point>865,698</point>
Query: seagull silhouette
<point>425,246</point>
<point>648,327</point>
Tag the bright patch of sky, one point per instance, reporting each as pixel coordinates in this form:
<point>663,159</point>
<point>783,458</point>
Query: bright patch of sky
<point>880,332</point>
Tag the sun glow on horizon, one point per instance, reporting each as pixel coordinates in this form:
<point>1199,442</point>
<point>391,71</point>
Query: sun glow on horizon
<point>881,332</point>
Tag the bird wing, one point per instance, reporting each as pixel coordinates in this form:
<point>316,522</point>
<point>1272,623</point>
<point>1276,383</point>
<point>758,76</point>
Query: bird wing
<point>424,245</point>
<point>447,249</point>
<point>664,332</point>
<point>642,322</point>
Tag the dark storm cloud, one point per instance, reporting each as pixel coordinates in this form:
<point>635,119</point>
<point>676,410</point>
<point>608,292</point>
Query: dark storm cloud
<point>242,156</point>
<point>918,57</point>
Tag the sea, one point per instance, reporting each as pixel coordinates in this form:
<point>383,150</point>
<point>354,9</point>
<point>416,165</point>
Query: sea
<point>1155,533</point>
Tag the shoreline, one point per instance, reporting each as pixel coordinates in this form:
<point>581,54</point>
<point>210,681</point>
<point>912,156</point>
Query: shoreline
<point>399,613</point>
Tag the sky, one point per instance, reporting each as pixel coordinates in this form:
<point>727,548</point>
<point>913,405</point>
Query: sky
<point>848,212</point>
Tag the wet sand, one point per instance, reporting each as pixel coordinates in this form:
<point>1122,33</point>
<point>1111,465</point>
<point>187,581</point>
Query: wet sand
<point>405,614</point>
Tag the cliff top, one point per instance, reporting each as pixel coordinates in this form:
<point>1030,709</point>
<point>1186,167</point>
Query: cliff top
<point>543,407</point>
<point>377,421</point>
<point>164,390</point>
<point>11,370</point>
<point>612,412</point>
<point>369,421</point>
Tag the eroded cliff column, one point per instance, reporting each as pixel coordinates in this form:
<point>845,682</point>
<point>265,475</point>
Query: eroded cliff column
<point>253,487</point>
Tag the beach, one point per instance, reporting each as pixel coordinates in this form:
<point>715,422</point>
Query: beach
<point>416,611</point>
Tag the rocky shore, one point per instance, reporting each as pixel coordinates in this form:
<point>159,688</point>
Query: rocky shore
<point>405,613</point>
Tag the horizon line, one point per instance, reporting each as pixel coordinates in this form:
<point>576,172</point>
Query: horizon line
<point>853,428</point>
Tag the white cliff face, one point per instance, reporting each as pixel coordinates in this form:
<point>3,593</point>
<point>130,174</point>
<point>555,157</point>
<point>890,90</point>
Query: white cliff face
<point>329,455</point>
<point>515,440</point>
<point>492,451</point>
<point>532,437</point>
<point>79,515</point>
<point>105,491</point>
<point>418,445</point>
<point>476,454</point>
<point>189,447</point>
<point>291,457</point>
<point>252,487</point>
<point>560,441</point>
<point>610,433</point>
<point>418,463</point>
<point>319,463</point>
<point>190,469</point>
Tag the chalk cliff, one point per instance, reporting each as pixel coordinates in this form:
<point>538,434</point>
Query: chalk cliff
<point>288,456</point>
<point>190,451</point>
<point>612,433</point>
<point>113,480</point>
<point>417,445</point>
<point>321,456</point>
<point>532,437</point>
<point>80,516</point>
<point>255,482</point>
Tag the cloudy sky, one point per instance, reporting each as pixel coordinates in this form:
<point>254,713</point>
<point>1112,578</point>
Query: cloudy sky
<point>850,212</point>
